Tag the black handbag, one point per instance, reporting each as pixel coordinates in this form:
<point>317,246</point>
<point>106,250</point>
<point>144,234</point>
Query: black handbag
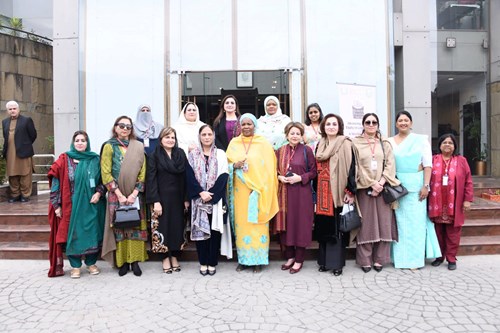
<point>127,217</point>
<point>350,220</point>
<point>393,193</point>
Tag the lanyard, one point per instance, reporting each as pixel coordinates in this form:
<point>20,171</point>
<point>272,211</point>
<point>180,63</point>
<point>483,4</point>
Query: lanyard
<point>374,147</point>
<point>446,165</point>
<point>122,144</point>
<point>245,146</point>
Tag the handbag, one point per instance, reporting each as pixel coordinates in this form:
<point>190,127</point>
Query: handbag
<point>349,218</point>
<point>127,217</point>
<point>393,193</point>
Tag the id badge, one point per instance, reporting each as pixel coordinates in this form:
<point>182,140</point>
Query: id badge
<point>445,180</point>
<point>374,165</point>
<point>146,142</point>
<point>245,167</point>
<point>92,182</point>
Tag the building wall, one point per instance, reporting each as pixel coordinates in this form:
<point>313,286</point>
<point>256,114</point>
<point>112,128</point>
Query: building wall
<point>494,87</point>
<point>26,77</point>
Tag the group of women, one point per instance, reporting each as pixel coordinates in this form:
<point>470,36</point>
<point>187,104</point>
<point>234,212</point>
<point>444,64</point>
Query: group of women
<point>247,179</point>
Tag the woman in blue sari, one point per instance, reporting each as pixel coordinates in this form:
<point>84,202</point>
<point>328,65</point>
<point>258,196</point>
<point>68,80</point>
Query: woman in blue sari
<point>417,237</point>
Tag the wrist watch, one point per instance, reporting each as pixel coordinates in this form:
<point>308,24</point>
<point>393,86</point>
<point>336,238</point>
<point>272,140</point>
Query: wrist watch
<point>427,186</point>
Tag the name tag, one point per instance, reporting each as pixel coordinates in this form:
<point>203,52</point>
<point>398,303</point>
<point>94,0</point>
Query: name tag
<point>374,165</point>
<point>92,182</point>
<point>445,180</point>
<point>146,142</point>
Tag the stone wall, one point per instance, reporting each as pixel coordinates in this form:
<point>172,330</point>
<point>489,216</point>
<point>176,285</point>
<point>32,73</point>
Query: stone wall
<point>26,77</point>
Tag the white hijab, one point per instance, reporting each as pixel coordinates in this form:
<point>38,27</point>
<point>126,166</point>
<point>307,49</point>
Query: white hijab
<point>187,131</point>
<point>272,127</point>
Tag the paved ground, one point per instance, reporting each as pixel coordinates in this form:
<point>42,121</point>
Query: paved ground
<point>428,300</point>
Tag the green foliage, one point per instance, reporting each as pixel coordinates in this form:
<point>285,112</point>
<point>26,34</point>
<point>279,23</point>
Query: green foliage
<point>50,143</point>
<point>474,129</point>
<point>16,23</point>
<point>3,168</point>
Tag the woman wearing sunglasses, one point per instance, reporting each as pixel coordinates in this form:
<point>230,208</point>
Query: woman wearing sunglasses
<point>375,166</point>
<point>123,169</point>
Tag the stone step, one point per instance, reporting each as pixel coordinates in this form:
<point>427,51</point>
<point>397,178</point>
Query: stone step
<point>24,233</point>
<point>28,219</point>
<point>473,245</point>
<point>481,227</point>
<point>469,245</point>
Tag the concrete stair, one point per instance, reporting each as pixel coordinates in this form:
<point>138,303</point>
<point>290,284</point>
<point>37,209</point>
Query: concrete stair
<point>24,231</point>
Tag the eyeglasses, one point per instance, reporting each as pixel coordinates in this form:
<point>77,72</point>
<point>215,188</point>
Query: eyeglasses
<point>371,122</point>
<point>124,126</point>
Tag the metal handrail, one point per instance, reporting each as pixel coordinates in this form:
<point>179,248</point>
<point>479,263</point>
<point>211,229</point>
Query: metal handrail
<point>52,156</point>
<point>28,34</point>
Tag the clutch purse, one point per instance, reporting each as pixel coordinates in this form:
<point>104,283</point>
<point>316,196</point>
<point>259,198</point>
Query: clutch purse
<point>127,217</point>
<point>393,193</point>
<point>349,218</point>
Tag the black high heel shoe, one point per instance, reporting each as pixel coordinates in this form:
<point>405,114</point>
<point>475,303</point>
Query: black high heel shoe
<point>337,272</point>
<point>366,269</point>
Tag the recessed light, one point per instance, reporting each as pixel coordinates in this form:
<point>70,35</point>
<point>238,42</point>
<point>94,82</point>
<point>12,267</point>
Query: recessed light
<point>450,79</point>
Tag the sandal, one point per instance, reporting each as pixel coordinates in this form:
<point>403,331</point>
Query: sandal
<point>167,270</point>
<point>75,273</point>
<point>176,268</point>
<point>93,270</point>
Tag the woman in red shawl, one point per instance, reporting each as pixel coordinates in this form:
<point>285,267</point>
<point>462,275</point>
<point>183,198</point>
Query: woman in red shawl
<point>76,208</point>
<point>451,195</point>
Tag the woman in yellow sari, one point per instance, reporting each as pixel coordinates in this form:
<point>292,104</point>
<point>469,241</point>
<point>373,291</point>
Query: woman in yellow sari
<point>253,198</point>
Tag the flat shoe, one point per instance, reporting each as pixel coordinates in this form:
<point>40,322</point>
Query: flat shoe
<point>75,273</point>
<point>286,267</point>
<point>176,268</point>
<point>378,268</point>
<point>296,270</point>
<point>93,270</point>
<point>337,272</point>
<point>437,262</point>
<point>124,269</point>
<point>366,269</point>
<point>257,268</point>
<point>322,269</point>
<point>452,266</point>
<point>202,272</point>
<point>212,272</point>
<point>136,269</point>
<point>240,267</point>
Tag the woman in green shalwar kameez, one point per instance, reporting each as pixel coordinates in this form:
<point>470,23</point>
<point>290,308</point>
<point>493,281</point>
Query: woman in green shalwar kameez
<point>123,169</point>
<point>77,208</point>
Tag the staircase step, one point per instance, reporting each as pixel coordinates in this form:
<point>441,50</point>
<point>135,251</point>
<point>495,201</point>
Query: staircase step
<point>474,245</point>
<point>24,250</point>
<point>24,232</point>
<point>28,219</point>
<point>481,227</point>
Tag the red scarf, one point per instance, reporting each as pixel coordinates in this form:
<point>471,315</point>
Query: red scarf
<point>436,198</point>
<point>285,155</point>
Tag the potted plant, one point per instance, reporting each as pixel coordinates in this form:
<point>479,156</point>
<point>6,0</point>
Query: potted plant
<point>480,153</point>
<point>493,195</point>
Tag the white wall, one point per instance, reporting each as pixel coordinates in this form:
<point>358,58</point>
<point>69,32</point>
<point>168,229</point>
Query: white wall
<point>346,43</point>
<point>123,64</point>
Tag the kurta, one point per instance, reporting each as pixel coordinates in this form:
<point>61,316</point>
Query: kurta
<point>130,243</point>
<point>169,189</point>
<point>311,137</point>
<point>253,197</point>
<point>463,188</point>
<point>299,204</point>
<point>379,224</point>
<point>16,166</point>
<point>417,236</point>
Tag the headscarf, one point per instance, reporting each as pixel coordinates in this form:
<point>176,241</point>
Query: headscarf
<point>145,126</point>
<point>272,126</point>
<point>251,117</point>
<point>200,228</point>
<point>187,131</point>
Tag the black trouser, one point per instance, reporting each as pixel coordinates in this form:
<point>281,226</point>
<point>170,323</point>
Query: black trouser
<point>209,249</point>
